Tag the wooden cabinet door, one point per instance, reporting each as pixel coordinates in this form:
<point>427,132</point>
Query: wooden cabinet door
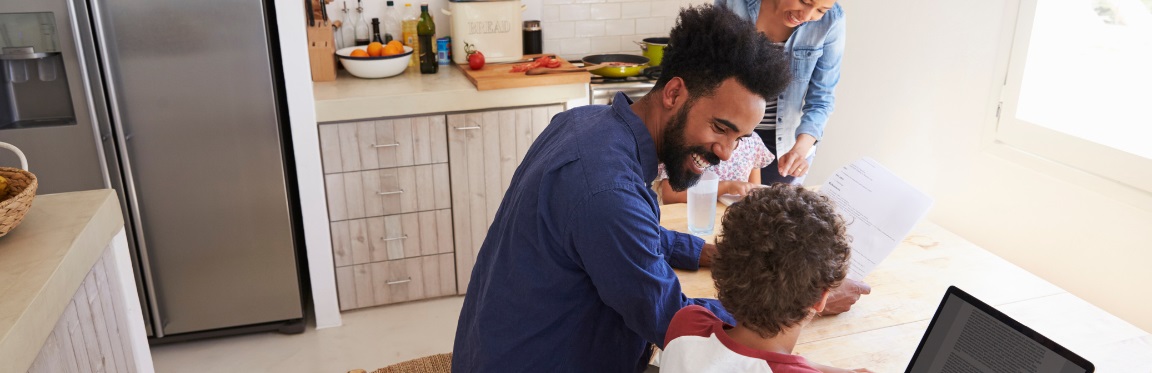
<point>484,149</point>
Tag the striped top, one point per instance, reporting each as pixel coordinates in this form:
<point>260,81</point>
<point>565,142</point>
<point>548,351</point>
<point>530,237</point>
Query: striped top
<point>769,121</point>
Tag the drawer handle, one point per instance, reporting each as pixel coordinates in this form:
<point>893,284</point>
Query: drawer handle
<point>467,128</point>
<point>385,145</point>
<point>401,191</point>
<point>396,238</point>
<point>398,282</point>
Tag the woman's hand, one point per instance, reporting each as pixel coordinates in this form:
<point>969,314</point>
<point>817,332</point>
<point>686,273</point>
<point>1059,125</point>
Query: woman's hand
<point>740,188</point>
<point>795,161</point>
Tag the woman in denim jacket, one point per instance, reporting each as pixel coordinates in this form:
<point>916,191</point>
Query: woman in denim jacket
<point>812,32</point>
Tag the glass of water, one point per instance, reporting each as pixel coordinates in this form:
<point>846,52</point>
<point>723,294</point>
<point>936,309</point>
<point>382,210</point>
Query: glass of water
<point>702,204</point>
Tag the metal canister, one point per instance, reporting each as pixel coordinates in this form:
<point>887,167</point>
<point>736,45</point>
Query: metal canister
<point>533,37</point>
<point>444,50</point>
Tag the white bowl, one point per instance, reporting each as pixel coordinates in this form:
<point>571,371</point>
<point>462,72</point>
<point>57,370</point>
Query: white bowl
<point>374,67</point>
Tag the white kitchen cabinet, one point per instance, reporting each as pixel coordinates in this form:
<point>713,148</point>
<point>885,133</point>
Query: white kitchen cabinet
<point>484,149</point>
<point>389,208</point>
<point>410,199</point>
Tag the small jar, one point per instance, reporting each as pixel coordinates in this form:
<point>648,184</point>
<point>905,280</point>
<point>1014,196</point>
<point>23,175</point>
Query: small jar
<point>533,38</point>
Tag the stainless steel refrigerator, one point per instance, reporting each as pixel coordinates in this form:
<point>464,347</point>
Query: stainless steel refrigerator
<point>179,106</point>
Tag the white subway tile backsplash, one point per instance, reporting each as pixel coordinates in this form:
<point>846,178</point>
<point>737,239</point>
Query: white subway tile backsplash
<point>552,45</point>
<point>653,25</point>
<point>574,12</point>
<point>577,46</point>
<point>576,28</point>
<point>636,10</point>
<point>618,27</point>
<point>605,11</point>
<point>589,28</point>
<point>557,30</point>
<point>549,13</point>
<point>665,8</point>
<point>605,44</point>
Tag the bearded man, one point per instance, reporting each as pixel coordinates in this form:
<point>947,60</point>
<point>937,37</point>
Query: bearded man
<point>575,274</point>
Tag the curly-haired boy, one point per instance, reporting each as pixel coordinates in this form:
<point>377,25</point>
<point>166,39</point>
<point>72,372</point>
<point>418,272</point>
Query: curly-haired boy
<point>782,249</point>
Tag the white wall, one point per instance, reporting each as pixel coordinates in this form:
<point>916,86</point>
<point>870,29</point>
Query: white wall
<point>576,28</point>
<point>571,28</point>
<point>290,20</point>
<point>917,93</point>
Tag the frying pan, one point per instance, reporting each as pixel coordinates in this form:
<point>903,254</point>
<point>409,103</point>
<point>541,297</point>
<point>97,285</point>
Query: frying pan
<point>629,64</point>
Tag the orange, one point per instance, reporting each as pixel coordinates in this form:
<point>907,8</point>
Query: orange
<point>359,53</point>
<point>375,49</point>
<point>393,47</point>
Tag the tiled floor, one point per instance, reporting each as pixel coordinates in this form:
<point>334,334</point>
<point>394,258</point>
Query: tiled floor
<point>370,338</point>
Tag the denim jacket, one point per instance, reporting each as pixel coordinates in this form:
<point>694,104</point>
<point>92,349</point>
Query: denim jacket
<point>816,48</point>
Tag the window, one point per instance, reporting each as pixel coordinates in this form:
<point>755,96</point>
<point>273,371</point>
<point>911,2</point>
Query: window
<point>1078,88</point>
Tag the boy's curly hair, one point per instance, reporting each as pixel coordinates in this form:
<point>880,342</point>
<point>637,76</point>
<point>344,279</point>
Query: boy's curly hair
<point>710,44</point>
<point>780,249</point>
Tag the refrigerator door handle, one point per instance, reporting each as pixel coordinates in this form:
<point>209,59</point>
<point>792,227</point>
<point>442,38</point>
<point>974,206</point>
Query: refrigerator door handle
<point>101,35</point>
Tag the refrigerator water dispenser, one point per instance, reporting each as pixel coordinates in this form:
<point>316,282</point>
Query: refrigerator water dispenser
<point>33,87</point>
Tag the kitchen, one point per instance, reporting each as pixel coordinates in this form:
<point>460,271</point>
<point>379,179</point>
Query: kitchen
<point>924,115</point>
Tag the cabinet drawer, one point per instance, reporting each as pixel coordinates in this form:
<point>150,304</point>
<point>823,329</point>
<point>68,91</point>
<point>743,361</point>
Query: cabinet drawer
<point>396,281</point>
<point>354,195</point>
<point>392,237</point>
<point>385,143</point>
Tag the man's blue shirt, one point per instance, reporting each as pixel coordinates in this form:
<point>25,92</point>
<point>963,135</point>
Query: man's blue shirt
<point>575,274</point>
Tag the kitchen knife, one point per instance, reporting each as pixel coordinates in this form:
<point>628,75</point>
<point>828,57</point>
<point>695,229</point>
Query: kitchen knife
<point>311,16</point>
<point>324,11</point>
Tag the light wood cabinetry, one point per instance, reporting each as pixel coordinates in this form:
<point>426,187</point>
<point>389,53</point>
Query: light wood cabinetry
<point>389,205</point>
<point>410,199</point>
<point>484,149</point>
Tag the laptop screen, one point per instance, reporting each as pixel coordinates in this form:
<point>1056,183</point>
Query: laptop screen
<point>969,336</point>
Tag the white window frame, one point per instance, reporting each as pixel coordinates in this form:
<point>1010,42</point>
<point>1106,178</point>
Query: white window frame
<point>1101,168</point>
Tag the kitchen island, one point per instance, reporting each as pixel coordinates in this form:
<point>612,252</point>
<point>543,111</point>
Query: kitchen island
<point>67,294</point>
<point>882,330</point>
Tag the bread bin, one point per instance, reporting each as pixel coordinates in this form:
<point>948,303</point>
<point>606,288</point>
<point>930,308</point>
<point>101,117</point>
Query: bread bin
<point>494,27</point>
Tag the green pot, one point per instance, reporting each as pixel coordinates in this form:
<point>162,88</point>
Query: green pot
<point>653,49</point>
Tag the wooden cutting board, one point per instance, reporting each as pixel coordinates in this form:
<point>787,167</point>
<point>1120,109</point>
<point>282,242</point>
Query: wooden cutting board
<point>500,76</point>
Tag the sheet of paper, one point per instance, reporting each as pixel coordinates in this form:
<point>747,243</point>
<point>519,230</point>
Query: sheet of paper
<point>879,207</point>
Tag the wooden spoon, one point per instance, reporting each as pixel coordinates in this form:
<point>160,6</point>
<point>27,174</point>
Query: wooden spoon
<point>546,70</point>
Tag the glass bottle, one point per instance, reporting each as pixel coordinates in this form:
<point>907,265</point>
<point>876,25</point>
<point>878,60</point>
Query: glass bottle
<point>411,19</point>
<point>362,37</point>
<point>391,22</point>
<point>426,30</point>
<point>376,32</point>
<point>346,37</point>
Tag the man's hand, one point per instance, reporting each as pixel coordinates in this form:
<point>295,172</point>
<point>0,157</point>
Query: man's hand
<point>842,298</point>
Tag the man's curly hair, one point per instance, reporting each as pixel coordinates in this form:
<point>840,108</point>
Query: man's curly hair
<point>780,249</point>
<point>710,44</point>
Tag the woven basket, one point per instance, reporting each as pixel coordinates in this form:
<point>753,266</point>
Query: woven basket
<point>17,198</point>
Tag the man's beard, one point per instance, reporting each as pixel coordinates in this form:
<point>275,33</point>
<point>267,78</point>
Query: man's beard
<point>674,154</point>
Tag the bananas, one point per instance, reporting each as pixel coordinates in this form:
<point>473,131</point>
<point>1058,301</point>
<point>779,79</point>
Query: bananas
<point>3,187</point>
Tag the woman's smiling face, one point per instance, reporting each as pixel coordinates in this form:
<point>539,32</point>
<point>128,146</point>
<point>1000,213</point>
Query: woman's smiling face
<point>793,13</point>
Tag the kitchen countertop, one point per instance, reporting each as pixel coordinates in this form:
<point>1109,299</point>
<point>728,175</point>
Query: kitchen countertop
<point>411,93</point>
<point>882,330</point>
<point>44,260</point>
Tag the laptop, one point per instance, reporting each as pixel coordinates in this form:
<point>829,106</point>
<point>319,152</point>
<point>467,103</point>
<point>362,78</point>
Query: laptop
<point>967,335</point>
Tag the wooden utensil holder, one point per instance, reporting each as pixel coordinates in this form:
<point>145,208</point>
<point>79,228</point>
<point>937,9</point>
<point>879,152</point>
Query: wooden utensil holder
<point>322,52</point>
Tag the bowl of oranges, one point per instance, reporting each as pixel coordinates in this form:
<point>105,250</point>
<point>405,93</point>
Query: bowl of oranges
<point>376,60</point>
